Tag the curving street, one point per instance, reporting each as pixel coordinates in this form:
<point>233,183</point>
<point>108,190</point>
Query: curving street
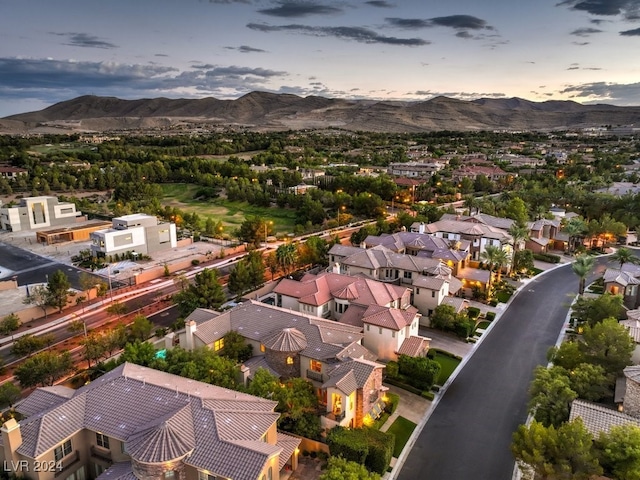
<point>468,434</point>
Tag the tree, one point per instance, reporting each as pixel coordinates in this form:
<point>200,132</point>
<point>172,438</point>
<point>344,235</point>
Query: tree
<point>589,381</point>
<point>565,452</point>
<point>443,317</point>
<point>9,394</point>
<point>620,452</point>
<point>491,255</point>
<point>254,230</point>
<point>519,233</point>
<point>313,252</point>
<point>272,264</point>
<point>568,355</point>
<point>44,369</point>
<point>58,289</point>
<point>239,278</point>
<point>608,344</point>
<point>256,267</point>
<point>39,297</point>
<point>9,324</point>
<point>551,396</point>
<point>117,308</point>
<point>422,371</point>
<point>140,353</point>
<point>28,344</point>
<point>140,328</point>
<point>582,265</point>
<point>516,209</point>
<point>94,347</point>
<point>87,282</point>
<point>624,255</point>
<point>575,228</point>
<point>235,347</point>
<point>286,256</point>
<point>340,469</point>
<point>205,292</point>
<point>593,310</point>
<point>522,261</point>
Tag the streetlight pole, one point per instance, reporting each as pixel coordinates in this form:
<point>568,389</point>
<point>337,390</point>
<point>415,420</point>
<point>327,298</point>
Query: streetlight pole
<point>110,287</point>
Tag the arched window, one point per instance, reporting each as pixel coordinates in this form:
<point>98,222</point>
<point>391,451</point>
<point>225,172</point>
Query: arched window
<point>289,360</point>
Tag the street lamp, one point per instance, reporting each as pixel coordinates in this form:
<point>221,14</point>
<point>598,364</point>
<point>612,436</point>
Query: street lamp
<point>341,208</point>
<point>266,231</point>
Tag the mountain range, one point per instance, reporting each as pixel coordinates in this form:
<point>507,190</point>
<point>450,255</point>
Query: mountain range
<point>263,111</point>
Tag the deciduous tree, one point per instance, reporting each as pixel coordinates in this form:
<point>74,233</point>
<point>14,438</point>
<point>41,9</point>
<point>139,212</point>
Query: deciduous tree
<point>44,369</point>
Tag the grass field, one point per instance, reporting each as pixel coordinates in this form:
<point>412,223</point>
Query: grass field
<point>447,366</point>
<point>402,429</point>
<point>232,214</point>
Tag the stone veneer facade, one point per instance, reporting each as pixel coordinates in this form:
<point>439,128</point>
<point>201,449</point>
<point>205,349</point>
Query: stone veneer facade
<point>632,398</point>
<point>155,471</point>
<point>278,361</point>
<point>363,401</point>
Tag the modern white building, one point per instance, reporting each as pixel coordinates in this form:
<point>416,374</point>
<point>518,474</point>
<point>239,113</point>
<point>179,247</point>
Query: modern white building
<point>136,232</point>
<point>37,212</point>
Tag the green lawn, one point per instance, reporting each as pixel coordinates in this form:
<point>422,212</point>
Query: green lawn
<point>402,429</point>
<point>447,366</point>
<point>232,214</point>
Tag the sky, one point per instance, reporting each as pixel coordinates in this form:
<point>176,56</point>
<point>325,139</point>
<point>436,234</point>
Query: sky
<point>411,50</point>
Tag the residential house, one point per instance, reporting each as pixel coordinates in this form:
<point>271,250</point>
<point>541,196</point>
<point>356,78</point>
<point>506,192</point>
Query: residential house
<point>12,173</point>
<point>415,169</point>
<point>38,212</point>
<point>624,281</point>
<point>138,232</point>
<point>293,344</point>
<point>382,310</point>
<point>138,423</point>
<point>599,418</point>
<point>430,279</point>
<point>472,171</point>
<point>478,234</point>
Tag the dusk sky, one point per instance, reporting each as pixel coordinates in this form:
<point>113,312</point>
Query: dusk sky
<point>583,50</point>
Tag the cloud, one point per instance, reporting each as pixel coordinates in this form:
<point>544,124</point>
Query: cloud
<point>598,92</point>
<point>631,33</point>
<point>457,22</point>
<point>297,9</point>
<point>585,32</point>
<point>358,34</point>
<point>160,55</point>
<point>246,49</point>
<point>408,23</point>
<point>581,44</point>
<point>627,8</point>
<point>227,2</point>
<point>379,4</point>
<point>457,95</point>
<point>84,40</point>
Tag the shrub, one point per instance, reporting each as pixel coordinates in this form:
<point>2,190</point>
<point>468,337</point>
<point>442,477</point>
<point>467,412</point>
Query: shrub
<point>546,257</point>
<point>366,446</point>
<point>391,369</point>
<point>195,262</point>
<point>428,395</point>
<point>380,452</point>
<point>473,312</point>
<point>490,317</point>
<point>392,403</point>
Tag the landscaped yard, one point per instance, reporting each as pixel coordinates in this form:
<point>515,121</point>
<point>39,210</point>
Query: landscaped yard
<point>447,366</point>
<point>232,214</point>
<point>402,429</point>
<point>483,325</point>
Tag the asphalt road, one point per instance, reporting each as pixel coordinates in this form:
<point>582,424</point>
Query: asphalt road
<point>469,432</point>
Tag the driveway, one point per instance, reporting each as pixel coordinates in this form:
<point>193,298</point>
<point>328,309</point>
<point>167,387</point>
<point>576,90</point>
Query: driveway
<point>469,430</point>
<point>448,343</point>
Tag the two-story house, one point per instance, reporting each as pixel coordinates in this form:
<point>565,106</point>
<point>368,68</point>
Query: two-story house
<point>138,423</point>
<point>293,344</point>
<point>624,281</point>
<point>382,310</point>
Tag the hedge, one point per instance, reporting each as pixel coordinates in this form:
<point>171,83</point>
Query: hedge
<point>547,257</point>
<point>366,446</point>
<point>490,316</point>
<point>405,386</point>
<point>428,395</point>
<point>473,312</point>
<point>392,403</point>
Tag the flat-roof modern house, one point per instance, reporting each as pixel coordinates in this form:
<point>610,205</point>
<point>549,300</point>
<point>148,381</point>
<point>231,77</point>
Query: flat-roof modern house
<point>136,423</point>
<point>136,232</point>
<point>38,212</point>
<point>346,378</point>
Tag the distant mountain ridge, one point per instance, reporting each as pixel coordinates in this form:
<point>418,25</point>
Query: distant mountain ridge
<point>268,111</point>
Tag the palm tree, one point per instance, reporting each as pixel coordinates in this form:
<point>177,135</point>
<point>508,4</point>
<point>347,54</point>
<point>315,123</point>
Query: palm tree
<point>581,267</point>
<point>286,255</point>
<point>624,255</point>
<point>491,255</point>
<point>501,260</point>
<point>575,228</point>
<point>520,233</point>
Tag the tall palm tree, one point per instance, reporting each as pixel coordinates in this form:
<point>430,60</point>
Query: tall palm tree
<point>491,256</point>
<point>581,267</point>
<point>501,259</point>
<point>624,255</point>
<point>575,228</point>
<point>286,254</point>
<point>520,233</point>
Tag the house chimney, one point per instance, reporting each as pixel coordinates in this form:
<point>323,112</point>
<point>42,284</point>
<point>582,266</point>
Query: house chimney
<point>168,340</point>
<point>242,375</point>
<point>421,227</point>
<point>11,440</point>
<point>189,331</point>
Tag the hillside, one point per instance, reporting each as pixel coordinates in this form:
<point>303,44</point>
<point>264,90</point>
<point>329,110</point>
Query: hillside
<point>268,111</point>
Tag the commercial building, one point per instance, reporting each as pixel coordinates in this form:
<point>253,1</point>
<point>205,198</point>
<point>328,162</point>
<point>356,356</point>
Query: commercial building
<point>38,212</point>
<point>137,232</point>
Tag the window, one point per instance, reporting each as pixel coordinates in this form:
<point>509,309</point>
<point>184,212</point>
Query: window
<point>368,327</point>
<point>169,475</point>
<point>315,365</point>
<point>380,332</point>
<point>417,291</point>
<point>218,344</point>
<point>433,294</point>
<point>123,448</point>
<point>262,347</point>
<point>289,360</point>
<point>62,451</point>
<point>102,440</point>
<point>206,476</point>
<point>393,334</point>
<point>407,275</point>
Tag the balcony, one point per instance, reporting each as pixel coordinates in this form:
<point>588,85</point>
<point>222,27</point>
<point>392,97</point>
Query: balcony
<point>101,454</point>
<point>66,464</point>
<point>313,375</point>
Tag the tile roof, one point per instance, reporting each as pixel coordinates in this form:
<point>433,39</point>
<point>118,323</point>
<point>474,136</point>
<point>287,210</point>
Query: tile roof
<point>391,318</point>
<point>620,277</point>
<point>161,416</point>
<point>468,228</point>
<point>632,373</point>
<point>456,302</point>
<point>475,274</point>
<point>362,370</point>
<point>258,362</point>
<point>339,250</point>
<point>345,382</point>
<point>255,321</point>
<point>432,283</point>
<point>484,218</point>
<point>40,400</point>
<point>288,445</point>
<point>413,346</point>
<point>598,418</point>
<point>118,471</point>
<point>382,257</point>
<point>286,340</point>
